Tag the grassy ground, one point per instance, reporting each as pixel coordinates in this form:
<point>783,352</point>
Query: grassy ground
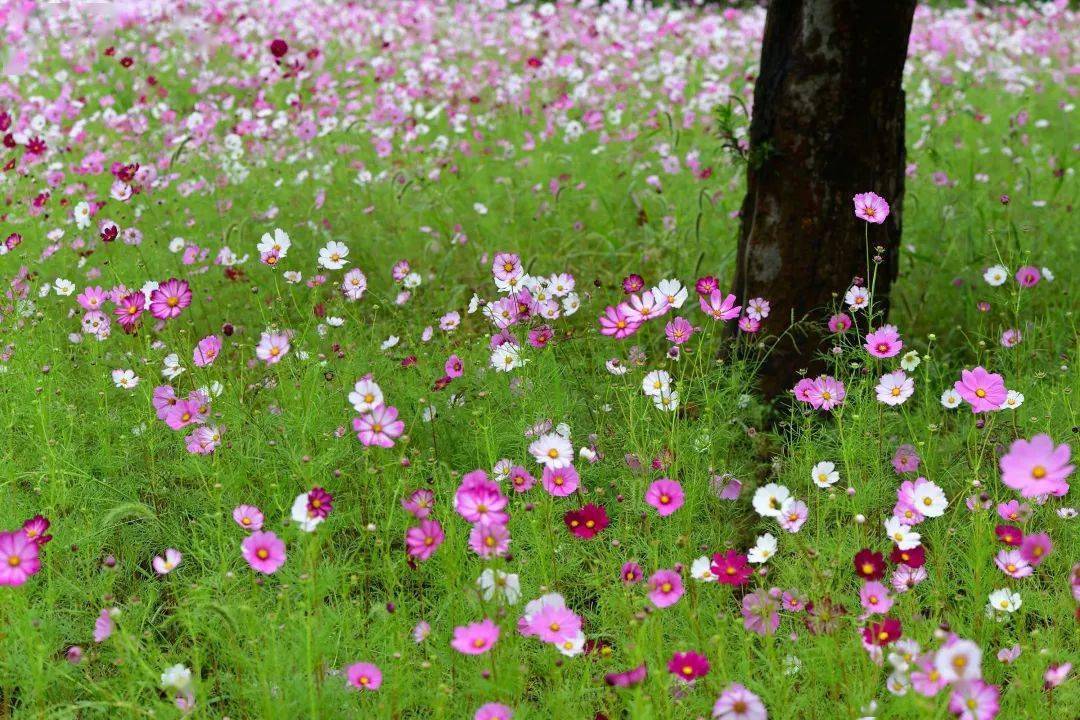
<point>989,111</point>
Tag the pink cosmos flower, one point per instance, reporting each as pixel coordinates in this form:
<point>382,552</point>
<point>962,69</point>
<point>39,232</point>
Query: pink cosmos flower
<point>905,460</point>
<point>169,299</point>
<point>379,427</point>
<point>759,611</point>
<point>926,680</point>
<point>738,703</point>
<point>616,322</point>
<point>1035,548</point>
<point>92,298</point>
<point>248,517</point>
<point>272,347</point>
<point>454,367</point>
<point>983,390</point>
<point>165,565</point>
<point>631,573</point>
<point>489,539</point>
<point>364,676</point>
<point>839,323</point>
<point>560,482</point>
<point>36,530</point>
<point>1036,467</point>
<point>493,711</point>
<point>1028,276</point>
<point>1013,564</point>
<point>554,624</point>
<point>665,495</point>
<point>423,540</point>
<point>665,588</point>
<point>264,552</point>
<point>792,515</point>
<point>645,307</point>
<point>871,207</point>
<point>824,393</point>
<point>679,330</point>
<point>475,638</point>
<point>719,307</point>
<point>974,700</point>
<point>207,350</point>
<point>1055,675</point>
<point>103,626</point>
<point>505,266</point>
<point>419,503</point>
<point>875,598</point>
<point>627,678</point>
<point>19,558</point>
<point>482,504</point>
<point>520,479</point>
<point>184,413</point>
<point>884,342</point>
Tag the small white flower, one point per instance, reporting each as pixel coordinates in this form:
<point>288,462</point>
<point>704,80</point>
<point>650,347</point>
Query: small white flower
<point>176,677</point>
<point>332,257</point>
<point>667,401</point>
<point>656,383</point>
<point>279,243</point>
<point>857,297</point>
<point>171,367</point>
<point>177,244</point>
<point>1004,600</point>
<point>615,366</point>
<point>480,208</point>
<point>950,399</point>
<point>902,535</point>
<point>492,582</point>
<point>764,549</point>
<point>390,342</point>
<point>125,379</point>
<point>769,500</point>
<point>672,291</point>
<point>824,474</point>
<point>701,569</point>
<point>82,215</point>
<point>910,360</point>
<point>1013,400</point>
<point>572,647</point>
<point>996,275</point>
<point>552,450</point>
<point>63,287</point>
<point>506,357</point>
<point>293,276</point>
<point>930,500</point>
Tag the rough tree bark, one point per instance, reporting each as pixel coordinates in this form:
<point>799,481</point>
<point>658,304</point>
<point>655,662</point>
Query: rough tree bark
<point>827,123</point>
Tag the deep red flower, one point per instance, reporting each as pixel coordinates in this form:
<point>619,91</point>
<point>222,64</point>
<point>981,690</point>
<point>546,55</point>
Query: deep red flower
<point>1010,534</point>
<point>731,568</point>
<point>278,47</point>
<point>882,633</point>
<point>913,558</point>
<point>587,522</point>
<point>869,565</point>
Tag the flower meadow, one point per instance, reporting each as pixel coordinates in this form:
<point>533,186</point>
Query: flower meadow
<point>382,360</point>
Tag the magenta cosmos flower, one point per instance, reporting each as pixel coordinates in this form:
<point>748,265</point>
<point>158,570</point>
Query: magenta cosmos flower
<point>731,568</point>
<point>364,676</point>
<point>627,678</point>
<point>679,330</point>
<point>1035,548</point>
<point>19,558</point>
<point>264,552</point>
<point>424,539</point>
<point>617,323</point>
<point>688,666</point>
<point>1036,467</point>
<point>379,426</point>
<point>493,711</point>
<point>871,207</point>
<point>169,299</point>
<point>489,539</point>
<point>129,308</point>
<point>738,703</point>
<point>1028,276</point>
<point>884,342</point>
<point>560,482</point>
<point>555,624</point>
<point>985,391</point>
<point>719,306</point>
<point>665,495</point>
<point>665,588</point>
<point>475,638</point>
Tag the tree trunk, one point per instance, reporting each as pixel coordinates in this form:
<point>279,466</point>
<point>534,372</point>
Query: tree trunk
<point>828,122</point>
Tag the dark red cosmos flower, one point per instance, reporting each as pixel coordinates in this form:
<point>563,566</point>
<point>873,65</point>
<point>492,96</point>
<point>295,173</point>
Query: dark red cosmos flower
<point>534,62</point>
<point>913,558</point>
<point>1009,534</point>
<point>5,121</point>
<point>869,565</point>
<point>731,568</point>
<point>319,502</point>
<point>126,62</point>
<point>442,382</point>
<point>627,678</point>
<point>882,633</point>
<point>587,522</point>
<point>633,283</point>
<point>35,146</point>
<point>278,47</point>
<point>688,666</point>
<point>109,233</point>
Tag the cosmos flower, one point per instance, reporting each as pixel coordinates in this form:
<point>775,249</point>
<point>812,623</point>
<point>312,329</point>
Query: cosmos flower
<point>423,540</point>
<point>476,638</point>
<point>738,703</point>
<point>587,522</point>
<point>688,666</point>
<point>984,391</point>
<point>19,558</point>
<point>731,568</point>
<point>665,588</point>
<point>364,676</point>
<point>1037,467</point>
<point>263,551</point>
<point>168,563</point>
<point>665,495</point>
<point>871,207</point>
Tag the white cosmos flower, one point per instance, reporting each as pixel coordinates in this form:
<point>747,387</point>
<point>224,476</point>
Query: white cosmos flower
<point>125,379</point>
<point>1013,400</point>
<point>492,582</point>
<point>672,291</point>
<point>961,661</point>
<point>82,215</point>
<point>902,535</point>
<point>930,499</point>
<point>171,367</point>
<point>615,366</point>
<point>63,287</point>
<point>279,243</point>
<point>996,275</point>
<point>300,515</point>
<point>857,297</point>
<point>910,360</point>
<point>332,257</point>
<point>390,342</point>
<point>572,647</point>
<point>764,549</point>
<point>950,399</point>
<point>177,244</point>
<point>552,450</point>
<point>366,395</point>
<point>177,677</point>
<point>656,383</point>
<point>824,474</point>
<point>1004,600</point>
<point>667,401</point>
<point>701,569</point>
<point>769,499</point>
<point>506,357</point>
